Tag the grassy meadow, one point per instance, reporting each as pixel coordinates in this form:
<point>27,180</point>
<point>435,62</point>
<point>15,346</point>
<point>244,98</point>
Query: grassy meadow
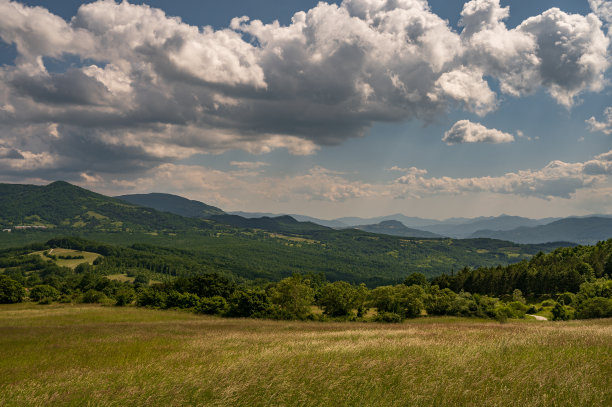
<point>109,356</point>
<point>87,257</point>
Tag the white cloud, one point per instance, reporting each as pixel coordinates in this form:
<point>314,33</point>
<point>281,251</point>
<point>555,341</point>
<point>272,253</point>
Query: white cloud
<point>465,131</point>
<point>155,89</point>
<point>600,165</point>
<point>604,126</point>
<point>557,180</point>
<point>603,9</point>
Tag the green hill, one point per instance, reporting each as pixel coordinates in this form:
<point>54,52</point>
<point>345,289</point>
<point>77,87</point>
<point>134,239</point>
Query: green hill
<point>63,205</point>
<point>173,204</point>
<point>268,248</point>
<point>395,228</point>
<point>282,224</point>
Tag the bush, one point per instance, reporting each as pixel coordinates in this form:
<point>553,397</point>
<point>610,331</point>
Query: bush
<point>597,307</point>
<point>216,305</point>
<point>10,291</point>
<point>400,299</point>
<point>388,317</point>
<point>248,303</point>
<point>566,298</point>
<point>92,296</point>
<point>151,297</point>
<point>518,309</point>
<point>560,313</point>
<point>44,292</point>
<point>181,300</point>
<point>124,296</point>
<point>439,302</point>
<point>502,313</point>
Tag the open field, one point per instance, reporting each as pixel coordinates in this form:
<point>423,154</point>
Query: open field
<point>78,355</point>
<point>88,257</point>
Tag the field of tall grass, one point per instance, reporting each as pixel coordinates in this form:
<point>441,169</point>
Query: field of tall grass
<point>109,356</point>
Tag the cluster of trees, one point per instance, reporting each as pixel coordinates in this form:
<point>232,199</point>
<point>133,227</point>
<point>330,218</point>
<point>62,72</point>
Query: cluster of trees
<point>563,270</point>
<point>571,282</point>
<point>298,297</point>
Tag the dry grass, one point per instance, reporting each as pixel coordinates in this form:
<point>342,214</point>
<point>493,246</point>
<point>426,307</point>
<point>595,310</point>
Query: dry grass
<point>80,355</point>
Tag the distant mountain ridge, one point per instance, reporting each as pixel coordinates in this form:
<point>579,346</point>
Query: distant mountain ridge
<point>587,230</point>
<point>396,228</point>
<point>301,218</point>
<point>468,228</point>
<point>284,223</point>
<point>173,204</point>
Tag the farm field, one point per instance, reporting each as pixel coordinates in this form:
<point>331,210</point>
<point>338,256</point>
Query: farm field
<point>66,354</point>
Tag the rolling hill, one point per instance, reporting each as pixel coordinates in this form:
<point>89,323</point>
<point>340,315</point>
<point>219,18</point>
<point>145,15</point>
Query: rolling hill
<point>173,204</point>
<point>396,228</point>
<point>268,247</point>
<point>63,205</point>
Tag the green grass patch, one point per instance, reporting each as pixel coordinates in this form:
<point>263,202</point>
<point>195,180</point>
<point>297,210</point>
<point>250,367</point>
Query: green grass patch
<point>108,356</point>
<point>88,257</point>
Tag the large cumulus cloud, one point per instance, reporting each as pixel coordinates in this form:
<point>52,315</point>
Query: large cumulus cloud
<point>152,89</point>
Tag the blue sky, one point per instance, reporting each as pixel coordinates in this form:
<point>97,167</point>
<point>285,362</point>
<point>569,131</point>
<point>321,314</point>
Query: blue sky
<point>358,108</point>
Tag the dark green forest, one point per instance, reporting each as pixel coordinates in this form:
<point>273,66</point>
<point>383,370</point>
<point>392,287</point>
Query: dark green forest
<point>572,282</point>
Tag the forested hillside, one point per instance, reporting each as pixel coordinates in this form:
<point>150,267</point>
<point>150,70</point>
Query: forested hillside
<point>562,270</point>
<point>173,204</point>
<point>62,205</point>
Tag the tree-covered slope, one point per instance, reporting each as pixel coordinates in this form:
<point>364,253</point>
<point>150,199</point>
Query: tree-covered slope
<point>395,228</point>
<point>61,204</point>
<point>173,204</point>
<point>564,269</point>
<point>284,224</point>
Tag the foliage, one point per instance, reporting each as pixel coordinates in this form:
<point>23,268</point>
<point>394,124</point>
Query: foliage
<point>560,312</point>
<point>596,307</point>
<point>44,291</point>
<point>416,279</point>
<point>407,302</point>
<point>10,291</point>
<point>93,296</point>
<point>248,303</point>
<point>124,296</point>
<point>338,298</point>
<point>294,296</point>
<point>563,270</point>
<point>216,305</point>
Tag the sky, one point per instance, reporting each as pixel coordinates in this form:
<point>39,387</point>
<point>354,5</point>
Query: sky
<point>361,108</point>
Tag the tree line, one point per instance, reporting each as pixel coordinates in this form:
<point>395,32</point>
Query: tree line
<point>572,282</point>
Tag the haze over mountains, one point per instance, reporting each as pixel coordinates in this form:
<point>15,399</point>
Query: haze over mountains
<point>581,230</point>
<point>64,204</point>
<point>264,247</point>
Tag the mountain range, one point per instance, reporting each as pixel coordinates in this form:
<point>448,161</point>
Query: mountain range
<point>264,247</point>
<point>396,228</point>
<point>61,204</point>
<point>579,230</point>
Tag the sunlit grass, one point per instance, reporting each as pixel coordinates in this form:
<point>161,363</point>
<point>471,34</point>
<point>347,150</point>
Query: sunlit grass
<point>88,257</point>
<point>74,355</point>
